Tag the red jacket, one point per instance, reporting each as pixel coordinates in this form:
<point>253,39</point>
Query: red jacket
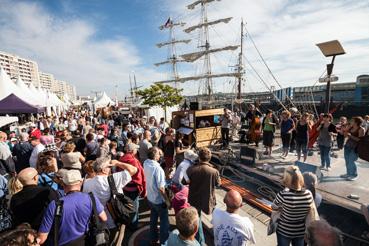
<point>138,179</point>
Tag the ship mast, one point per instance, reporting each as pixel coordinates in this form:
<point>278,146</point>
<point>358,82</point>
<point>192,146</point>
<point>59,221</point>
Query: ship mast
<point>240,71</point>
<point>205,51</point>
<point>172,57</point>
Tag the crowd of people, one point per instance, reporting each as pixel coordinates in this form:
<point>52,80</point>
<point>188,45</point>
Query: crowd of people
<point>56,164</point>
<point>56,174</point>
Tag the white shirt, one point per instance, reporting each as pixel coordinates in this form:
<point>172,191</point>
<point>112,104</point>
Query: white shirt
<point>231,229</point>
<point>99,185</point>
<point>181,172</point>
<point>34,156</point>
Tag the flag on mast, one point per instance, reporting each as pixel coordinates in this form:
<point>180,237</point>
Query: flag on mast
<point>168,23</point>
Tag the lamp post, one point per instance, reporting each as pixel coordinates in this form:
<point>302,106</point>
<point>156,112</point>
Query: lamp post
<point>330,49</point>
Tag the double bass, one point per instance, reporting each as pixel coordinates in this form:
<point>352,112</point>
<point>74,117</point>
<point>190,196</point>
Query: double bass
<point>254,133</point>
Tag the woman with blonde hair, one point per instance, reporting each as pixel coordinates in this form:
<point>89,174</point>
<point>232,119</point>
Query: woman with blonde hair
<point>294,202</point>
<point>71,159</point>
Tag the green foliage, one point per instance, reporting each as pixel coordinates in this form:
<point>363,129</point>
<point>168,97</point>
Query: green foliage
<point>161,95</point>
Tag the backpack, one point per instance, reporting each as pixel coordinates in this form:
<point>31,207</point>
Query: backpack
<point>121,208</point>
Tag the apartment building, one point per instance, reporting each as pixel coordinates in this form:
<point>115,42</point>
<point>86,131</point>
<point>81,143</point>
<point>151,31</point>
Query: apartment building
<point>47,81</point>
<point>17,67</point>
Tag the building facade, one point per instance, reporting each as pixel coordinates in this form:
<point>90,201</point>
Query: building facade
<point>17,67</point>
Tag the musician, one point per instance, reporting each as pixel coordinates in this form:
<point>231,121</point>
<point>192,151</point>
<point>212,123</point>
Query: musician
<point>253,111</point>
<point>226,120</point>
<point>253,118</point>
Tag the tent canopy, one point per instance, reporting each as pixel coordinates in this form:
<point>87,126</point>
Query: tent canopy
<point>13,104</point>
<point>6,120</point>
<point>103,101</point>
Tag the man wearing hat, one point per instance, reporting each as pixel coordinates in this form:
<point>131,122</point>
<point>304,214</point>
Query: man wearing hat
<point>100,184</point>
<point>190,157</point>
<point>137,187</point>
<point>77,211</point>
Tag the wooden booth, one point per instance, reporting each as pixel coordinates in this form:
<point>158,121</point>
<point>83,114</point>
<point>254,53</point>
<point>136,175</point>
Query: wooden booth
<point>201,128</point>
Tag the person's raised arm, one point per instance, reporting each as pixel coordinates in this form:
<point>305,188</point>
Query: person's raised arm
<point>130,169</point>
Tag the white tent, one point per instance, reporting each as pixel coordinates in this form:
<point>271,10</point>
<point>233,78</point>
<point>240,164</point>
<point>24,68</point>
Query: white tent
<point>103,101</point>
<point>7,86</point>
<point>36,94</point>
<point>25,92</point>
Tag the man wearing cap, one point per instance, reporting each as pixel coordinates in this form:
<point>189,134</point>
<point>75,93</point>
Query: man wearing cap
<point>34,132</point>
<point>38,147</point>
<point>29,204</point>
<point>76,212</point>
<point>100,185</point>
<point>190,157</point>
<point>22,152</point>
<point>137,187</point>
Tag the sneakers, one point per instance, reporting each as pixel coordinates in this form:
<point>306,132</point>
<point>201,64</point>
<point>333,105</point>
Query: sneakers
<point>351,178</point>
<point>344,176</point>
<point>328,169</point>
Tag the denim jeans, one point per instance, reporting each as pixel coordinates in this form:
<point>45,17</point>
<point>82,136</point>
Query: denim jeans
<point>325,156</point>
<point>350,157</point>
<point>159,210</point>
<point>225,136</point>
<point>136,200</point>
<point>285,241</point>
<point>200,232</point>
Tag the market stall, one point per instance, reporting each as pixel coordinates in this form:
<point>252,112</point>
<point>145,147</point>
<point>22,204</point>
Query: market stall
<point>200,127</point>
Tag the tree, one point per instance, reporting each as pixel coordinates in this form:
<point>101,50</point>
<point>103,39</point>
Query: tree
<point>161,95</point>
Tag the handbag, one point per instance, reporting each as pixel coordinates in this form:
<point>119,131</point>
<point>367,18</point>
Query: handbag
<point>98,234</point>
<point>121,208</point>
<point>273,223</point>
<point>313,215</point>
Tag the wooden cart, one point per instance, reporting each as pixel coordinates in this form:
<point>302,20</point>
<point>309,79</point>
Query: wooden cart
<point>200,127</point>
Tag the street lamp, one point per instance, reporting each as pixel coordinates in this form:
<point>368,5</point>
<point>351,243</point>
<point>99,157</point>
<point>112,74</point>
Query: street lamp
<point>330,49</point>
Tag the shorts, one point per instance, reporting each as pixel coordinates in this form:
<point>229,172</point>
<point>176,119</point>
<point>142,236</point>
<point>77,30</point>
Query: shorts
<point>268,137</point>
<point>286,140</point>
<point>301,146</point>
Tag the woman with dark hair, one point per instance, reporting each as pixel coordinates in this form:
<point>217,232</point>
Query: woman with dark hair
<point>353,136</point>
<point>326,132</point>
<point>268,125</point>
<point>287,126</point>
<point>24,236</point>
<point>47,166</point>
<point>180,148</point>
<point>302,136</point>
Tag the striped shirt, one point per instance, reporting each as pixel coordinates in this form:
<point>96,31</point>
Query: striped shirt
<point>295,207</point>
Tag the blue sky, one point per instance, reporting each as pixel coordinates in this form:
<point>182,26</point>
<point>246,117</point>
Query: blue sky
<point>96,44</point>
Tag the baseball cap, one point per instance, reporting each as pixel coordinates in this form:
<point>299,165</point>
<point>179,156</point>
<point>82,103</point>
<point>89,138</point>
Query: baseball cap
<point>72,177</point>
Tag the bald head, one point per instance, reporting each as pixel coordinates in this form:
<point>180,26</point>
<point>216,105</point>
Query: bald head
<point>28,176</point>
<point>233,200</point>
<point>147,134</point>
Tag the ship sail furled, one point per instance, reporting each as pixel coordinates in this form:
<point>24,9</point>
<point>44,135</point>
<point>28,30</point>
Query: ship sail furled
<point>191,57</point>
<point>206,76</point>
<point>193,5</point>
<point>192,28</point>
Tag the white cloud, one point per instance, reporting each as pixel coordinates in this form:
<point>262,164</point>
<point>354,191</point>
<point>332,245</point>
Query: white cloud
<point>286,33</point>
<point>68,48</point>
